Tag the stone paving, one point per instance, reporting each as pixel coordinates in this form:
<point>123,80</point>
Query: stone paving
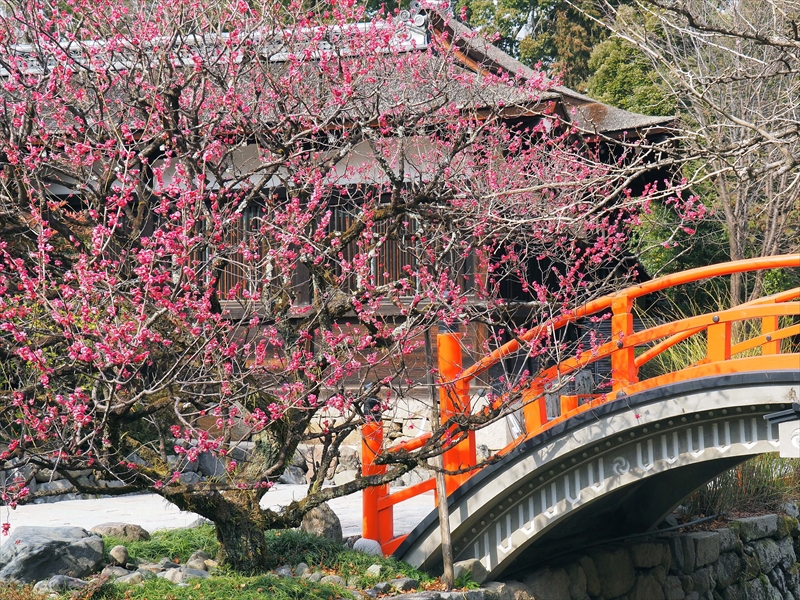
<point>153,512</point>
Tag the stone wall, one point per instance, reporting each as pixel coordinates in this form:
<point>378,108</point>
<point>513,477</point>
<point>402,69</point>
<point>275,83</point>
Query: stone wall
<point>752,559</point>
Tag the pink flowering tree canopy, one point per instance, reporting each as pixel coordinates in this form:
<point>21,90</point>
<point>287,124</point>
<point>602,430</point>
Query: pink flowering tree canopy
<point>222,224</point>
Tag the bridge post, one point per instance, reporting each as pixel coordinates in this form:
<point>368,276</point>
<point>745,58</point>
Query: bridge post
<point>454,399</point>
<point>718,340</point>
<point>623,368</point>
<point>377,523</point>
<point>770,325</point>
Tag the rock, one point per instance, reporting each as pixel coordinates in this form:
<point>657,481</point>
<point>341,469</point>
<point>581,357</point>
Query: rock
<point>374,571</point>
<point>368,546</point>
<point>577,581</point>
<point>284,571</point>
<point>315,576</point>
<point>301,569</point>
<point>404,584</point>
<point>61,485</point>
<point>199,554</point>
<point>728,540</point>
<point>615,572</point>
<point>349,458</point>
<point>673,590</point>
<point>150,568</point>
<point>727,569</point>
<point>648,554</point>
<point>479,594</point>
<point>703,580</point>
<point>414,476</point>
<point>210,465</point>
<point>293,476</point>
<point>118,555</point>
<point>211,564</point>
<point>549,584</point>
<point>706,547</point>
<point>677,556</point>
<point>344,477</point>
<point>777,579</point>
<point>760,589</point>
<point>182,574</point>
<point>127,531</point>
<point>42,587</point>
<point>767,552</point>
<point>384,587</point>
<point>114,572</point>
<point>182,463</point>
<point>592,580</point>
<point>322,521</point>
<point>659,573</point>
<point>198,563</point>
<point>132,579</point>
<point>756,528</point>
<point>47,475</point>
<point>518,590</point>
<point>34,553</point>
<point>791,509</point>
<point>168,563</point>
<point>498,590</point>
<point>734,592</point>
<point>190,478</point>
<point>333,580</point>
<point>474,567</point>
<point>786,550</point>
<point>62,583</point>
<point>646,588</point>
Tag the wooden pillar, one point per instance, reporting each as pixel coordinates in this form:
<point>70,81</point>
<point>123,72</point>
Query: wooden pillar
<point>623,369</point>
<point>454,399</point>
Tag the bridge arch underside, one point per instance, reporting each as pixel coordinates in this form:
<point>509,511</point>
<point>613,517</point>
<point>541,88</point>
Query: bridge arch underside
<point>613,471</point>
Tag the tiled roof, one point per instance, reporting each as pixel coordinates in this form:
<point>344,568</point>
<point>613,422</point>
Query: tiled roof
<point>584,112</point>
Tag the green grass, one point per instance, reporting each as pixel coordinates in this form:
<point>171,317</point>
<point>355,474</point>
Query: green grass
<point>759,485</point>
<point>229,587</point>
<point>291,547</point>
<point>287,547</point>
<point>172,544</point>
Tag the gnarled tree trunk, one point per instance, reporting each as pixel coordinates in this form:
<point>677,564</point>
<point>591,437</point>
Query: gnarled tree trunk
<point>239,525</point>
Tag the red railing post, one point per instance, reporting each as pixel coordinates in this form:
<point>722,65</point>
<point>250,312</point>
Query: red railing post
<point>623,367</point>
<point>377,524</point>
<point>454,399</point>
<point>770,325</point>
<point>718,341</point>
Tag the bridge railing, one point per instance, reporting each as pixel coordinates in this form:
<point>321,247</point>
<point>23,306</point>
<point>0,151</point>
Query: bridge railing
<point>762,352</point>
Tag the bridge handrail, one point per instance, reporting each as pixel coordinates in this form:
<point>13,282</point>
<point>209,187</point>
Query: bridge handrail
<point>625,366</point>
<point>631,293</point>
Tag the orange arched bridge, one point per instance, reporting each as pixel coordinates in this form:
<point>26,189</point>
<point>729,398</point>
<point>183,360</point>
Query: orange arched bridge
<point>611,464</point>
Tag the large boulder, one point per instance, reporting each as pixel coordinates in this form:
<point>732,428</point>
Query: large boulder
<point>322,521</point>
<point>35,553</point>
<point>126,531</point>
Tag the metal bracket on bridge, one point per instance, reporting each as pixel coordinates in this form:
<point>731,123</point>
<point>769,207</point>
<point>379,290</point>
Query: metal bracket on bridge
<point>788,422</point>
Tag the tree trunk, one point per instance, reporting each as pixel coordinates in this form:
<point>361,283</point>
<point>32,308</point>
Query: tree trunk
<point>239,526</point>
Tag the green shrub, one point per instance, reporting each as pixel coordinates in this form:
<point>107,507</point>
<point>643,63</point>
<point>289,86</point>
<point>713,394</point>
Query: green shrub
<point>761,484</point>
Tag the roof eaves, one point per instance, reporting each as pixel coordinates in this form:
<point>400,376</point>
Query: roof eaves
<point>592,116</point>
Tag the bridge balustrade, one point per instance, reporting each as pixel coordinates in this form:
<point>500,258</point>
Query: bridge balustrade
<point>776,316</point>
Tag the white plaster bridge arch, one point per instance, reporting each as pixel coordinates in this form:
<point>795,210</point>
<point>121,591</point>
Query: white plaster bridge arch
<point>614,470</point>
